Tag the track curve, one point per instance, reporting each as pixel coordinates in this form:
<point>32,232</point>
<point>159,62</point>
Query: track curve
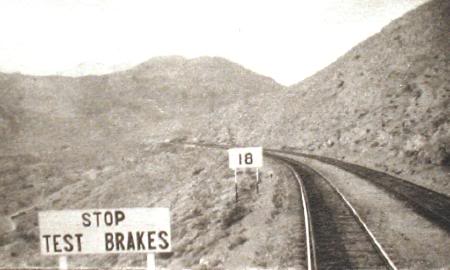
<point>430,204</point>
<point>340,238</point>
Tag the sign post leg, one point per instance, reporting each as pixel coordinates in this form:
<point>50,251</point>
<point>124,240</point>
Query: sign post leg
<point>151,265</point>
<point>235,184</point>
<point>63,263</point>
<point>257,181</point>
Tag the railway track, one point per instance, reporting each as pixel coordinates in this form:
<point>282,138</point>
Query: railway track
<point>430,204</point>
<point>337,237</point>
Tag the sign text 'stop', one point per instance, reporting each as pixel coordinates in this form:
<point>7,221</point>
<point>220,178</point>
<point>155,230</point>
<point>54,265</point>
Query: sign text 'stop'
<point>122,230</point>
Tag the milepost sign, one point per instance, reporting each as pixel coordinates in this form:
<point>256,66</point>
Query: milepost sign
<point>244,158</point>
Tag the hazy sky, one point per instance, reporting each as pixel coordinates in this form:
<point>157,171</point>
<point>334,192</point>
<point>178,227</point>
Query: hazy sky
<point>286,40</point>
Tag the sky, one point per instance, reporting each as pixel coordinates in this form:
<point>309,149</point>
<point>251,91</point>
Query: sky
<point>285,40</point>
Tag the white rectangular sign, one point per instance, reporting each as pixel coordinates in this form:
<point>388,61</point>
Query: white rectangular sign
<point>247,157</point>
<point>122,230</point>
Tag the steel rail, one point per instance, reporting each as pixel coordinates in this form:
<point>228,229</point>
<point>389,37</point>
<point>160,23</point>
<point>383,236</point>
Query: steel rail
<point>378,247</point>
<point>429,203</point>
<point>310,243</point>
<point>376,243</point>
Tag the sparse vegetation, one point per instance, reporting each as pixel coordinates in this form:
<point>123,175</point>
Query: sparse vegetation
<point>239,240</point>
<point>233,214</point>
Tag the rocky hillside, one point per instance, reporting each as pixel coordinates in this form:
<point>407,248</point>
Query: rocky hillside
<point>387,101</point>
<point>88,142</point>
<point>384,104</point>
<point>391,90</point>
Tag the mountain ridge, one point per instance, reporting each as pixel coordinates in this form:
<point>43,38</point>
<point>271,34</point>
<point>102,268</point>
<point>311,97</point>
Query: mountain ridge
<point>402,70</point>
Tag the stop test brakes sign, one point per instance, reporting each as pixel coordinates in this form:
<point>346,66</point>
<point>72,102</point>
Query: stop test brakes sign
<point>100,231</point>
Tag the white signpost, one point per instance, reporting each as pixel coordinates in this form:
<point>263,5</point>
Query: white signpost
<point>105,231</point>
<point>247,157</point>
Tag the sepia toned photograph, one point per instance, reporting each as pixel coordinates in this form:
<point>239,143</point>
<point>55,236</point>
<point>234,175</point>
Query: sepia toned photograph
<point>222,135</point>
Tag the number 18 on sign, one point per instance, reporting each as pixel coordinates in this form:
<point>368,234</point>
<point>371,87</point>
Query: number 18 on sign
<point>246,157</point>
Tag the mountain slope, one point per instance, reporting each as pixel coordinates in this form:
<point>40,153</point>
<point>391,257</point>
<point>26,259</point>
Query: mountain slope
<point>385,103</point>
<point>42,114</point>
<point>390,91</point>
<point>88,143</point>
